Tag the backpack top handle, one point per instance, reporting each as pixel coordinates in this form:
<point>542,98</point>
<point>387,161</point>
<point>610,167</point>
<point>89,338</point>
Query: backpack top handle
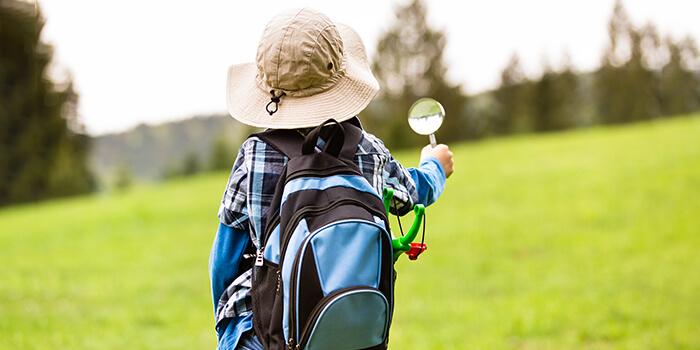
<point>334,142</point>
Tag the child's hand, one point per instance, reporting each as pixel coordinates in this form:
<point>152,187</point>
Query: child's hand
<point>443,154</point>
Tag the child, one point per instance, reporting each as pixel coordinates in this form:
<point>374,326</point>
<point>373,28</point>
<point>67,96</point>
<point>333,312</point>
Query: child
<point>307,70</point>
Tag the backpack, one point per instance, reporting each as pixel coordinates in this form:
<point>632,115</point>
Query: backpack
<point>323,276</point>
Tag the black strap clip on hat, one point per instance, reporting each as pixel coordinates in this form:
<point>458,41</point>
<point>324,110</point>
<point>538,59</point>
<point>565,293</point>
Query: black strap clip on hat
<point>274,99</point>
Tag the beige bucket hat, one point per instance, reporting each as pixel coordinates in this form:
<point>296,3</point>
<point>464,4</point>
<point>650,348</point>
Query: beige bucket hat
<point>307,70</point>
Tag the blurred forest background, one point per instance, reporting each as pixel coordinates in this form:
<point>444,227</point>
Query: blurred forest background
<point>46,153</point>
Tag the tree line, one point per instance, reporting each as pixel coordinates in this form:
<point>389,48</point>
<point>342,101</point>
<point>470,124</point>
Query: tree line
<point>642,76</point>
<point>44,150</point>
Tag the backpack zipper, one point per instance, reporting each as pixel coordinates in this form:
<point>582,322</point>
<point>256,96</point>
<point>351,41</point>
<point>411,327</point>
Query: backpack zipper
<point>270,227</point>
<point>336,170</point>
<point>266,236</point>
<point>259,258</point>
<point>293,295</point>
<point>318,210</point>
<point>313,173</point>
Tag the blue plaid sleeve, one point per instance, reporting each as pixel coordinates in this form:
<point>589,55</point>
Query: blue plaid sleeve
<point>251,186</point>
<point>383,170</point>
<point>233,211</point>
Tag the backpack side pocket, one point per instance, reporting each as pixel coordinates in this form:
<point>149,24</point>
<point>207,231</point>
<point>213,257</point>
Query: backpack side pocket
<point>263,294</point>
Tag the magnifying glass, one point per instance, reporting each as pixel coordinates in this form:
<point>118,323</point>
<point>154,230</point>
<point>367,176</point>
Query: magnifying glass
<point>425,117</point>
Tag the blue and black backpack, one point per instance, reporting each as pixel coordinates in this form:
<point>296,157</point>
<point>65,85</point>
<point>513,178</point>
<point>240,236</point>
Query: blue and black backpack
<point>324,276</point>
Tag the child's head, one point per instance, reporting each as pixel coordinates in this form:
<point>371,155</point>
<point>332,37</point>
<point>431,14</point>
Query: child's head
<point>307,70</point>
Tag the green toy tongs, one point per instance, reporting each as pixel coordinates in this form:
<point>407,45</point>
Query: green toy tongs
<point>404,244</point>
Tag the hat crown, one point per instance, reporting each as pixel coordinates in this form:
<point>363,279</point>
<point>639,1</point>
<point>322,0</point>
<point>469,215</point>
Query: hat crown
<point>300,50</point>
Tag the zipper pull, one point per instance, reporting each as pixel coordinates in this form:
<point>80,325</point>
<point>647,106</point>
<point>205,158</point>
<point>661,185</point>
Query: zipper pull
<point>259,258</point>
<point>279,279</point>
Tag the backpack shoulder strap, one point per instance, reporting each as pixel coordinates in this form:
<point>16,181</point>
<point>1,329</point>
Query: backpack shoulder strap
<point>289,142</point>
<point>353,135</point>
<point>286,141</point>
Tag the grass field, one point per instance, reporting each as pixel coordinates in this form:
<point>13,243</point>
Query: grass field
<point>577,240</point>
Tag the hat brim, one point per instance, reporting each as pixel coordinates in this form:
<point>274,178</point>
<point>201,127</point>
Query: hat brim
<point>247,99</point>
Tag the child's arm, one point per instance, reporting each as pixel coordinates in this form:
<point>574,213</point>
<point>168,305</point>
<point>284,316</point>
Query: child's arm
<point>225,257</point>
<point>435,167</point>
<point>429,178</point>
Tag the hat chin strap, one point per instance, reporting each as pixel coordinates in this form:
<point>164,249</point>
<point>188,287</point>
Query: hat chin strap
<point>274,99</point>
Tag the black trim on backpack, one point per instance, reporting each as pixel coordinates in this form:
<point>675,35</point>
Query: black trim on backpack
<point>327,212</point>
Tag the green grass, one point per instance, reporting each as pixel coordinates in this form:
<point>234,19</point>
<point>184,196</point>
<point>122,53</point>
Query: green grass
<point>576,240</point>
<point>127,271</point>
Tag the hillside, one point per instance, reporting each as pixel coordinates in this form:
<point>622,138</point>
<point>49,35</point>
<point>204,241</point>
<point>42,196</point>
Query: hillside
<point>578,240</point>
<point>149,150</point>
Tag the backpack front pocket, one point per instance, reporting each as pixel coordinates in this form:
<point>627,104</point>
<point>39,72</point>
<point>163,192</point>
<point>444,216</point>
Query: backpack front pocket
<point>349,318</point>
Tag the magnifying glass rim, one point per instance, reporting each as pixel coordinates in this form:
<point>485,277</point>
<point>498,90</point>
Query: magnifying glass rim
<point>426,99</point>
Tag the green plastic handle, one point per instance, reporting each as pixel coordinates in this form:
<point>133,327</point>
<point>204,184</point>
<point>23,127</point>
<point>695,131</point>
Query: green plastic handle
<point>388,195</point>
<point>403,244</point>
<point>419,210</point>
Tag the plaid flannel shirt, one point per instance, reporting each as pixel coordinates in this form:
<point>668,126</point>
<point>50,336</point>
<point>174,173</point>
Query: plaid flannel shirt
<point>252,183</point>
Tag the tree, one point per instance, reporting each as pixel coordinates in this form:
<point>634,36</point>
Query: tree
<point>123,176</point>
<point>642,81</point>
<point>220,155</point>
<point>190,165</point>
<point>553,100</point>
<point>512,100</point>
<point>185,167</point>
<point>610,77</point>
<point>680,82</point>
<point>409,65</point>
<point>569,94</point>
<point>544,101</point>
<point>626,84</point>
<point>43,147</point>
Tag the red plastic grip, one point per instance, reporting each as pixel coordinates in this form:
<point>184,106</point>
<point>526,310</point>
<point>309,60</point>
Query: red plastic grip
<point>416,249</point>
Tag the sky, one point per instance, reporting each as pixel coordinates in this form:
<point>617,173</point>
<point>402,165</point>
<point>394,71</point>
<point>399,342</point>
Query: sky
<point>152,61</point>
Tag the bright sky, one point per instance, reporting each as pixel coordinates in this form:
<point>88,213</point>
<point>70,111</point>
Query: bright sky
<point>150,61</point>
